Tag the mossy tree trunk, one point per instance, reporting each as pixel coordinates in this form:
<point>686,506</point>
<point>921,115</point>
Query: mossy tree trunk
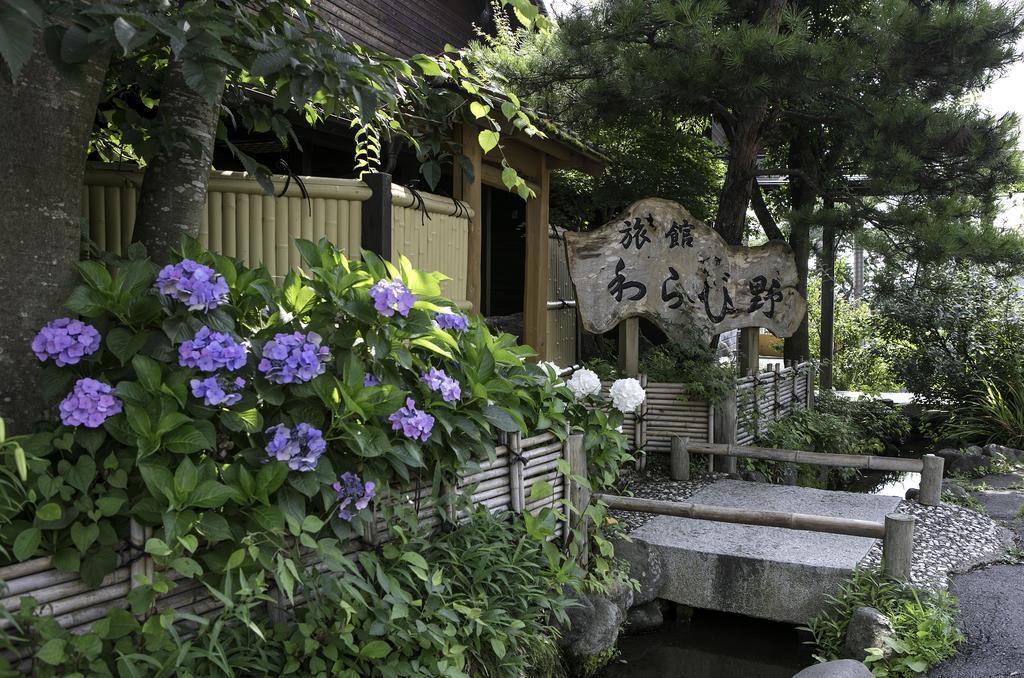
<point>177,177</point>
<point>47,116</point>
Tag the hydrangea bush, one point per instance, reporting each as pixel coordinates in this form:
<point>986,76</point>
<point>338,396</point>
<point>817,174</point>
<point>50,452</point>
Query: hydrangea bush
<point>246,423</point>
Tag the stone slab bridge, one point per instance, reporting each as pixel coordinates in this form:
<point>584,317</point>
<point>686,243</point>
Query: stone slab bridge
<point>772,551</point>
<point>760,571</point>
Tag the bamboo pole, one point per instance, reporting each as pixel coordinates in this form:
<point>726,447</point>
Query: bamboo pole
<point>515,473</point>
<point>728,514</point>
<point>579,493</point>
<point>864,461</point>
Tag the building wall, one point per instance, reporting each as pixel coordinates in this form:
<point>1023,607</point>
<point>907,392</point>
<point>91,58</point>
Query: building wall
<point>405,27</point>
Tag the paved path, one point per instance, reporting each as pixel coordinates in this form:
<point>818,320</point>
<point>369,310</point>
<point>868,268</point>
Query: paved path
<point>992,599</point>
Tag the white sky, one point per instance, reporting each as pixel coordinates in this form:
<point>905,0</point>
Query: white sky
<point>1006,95</point>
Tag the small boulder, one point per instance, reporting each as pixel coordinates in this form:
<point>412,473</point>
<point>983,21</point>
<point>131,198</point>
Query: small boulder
<point>954,488</point>
<point>644,566</point>
<point>593,627</point>
<point>644,617</point>
<point>868,628</point>
<point>842,668</point>
<point>1010,454</point>
<point>754,476</point>
<point>969,464</point>
<point>911,493</point>
<point>948,454</point>
<point>973,449</point>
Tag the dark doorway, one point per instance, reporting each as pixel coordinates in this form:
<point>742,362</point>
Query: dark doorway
<point>504,253</point>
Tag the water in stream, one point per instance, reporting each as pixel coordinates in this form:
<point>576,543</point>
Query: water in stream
<point>713,645</point>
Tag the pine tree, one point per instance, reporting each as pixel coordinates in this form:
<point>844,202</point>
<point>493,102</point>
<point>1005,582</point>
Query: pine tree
<point>865,105</point>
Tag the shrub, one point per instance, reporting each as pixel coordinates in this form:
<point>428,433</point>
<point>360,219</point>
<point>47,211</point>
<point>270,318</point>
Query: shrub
<point>925,632</point>
<point>692,364</point>
<point>879,421</point>
<point>815,431</point>
<point>995,414</point>
<point>253,427</point>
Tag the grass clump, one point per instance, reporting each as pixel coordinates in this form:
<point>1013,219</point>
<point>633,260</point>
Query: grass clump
<point>925,633</point>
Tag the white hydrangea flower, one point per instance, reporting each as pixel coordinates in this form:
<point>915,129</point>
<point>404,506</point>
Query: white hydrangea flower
<point>627,395</point>
<point>584,383</point>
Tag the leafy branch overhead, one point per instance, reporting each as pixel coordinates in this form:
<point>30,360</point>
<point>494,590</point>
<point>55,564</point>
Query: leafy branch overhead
<point>272,59</point>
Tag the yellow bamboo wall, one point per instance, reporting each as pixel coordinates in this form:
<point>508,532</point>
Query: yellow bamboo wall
<point>561,333</point>
<point>433,232</point>
<point>244,222</point>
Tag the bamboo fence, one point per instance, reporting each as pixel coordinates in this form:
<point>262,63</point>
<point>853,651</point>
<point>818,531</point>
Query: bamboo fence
<point>504,483</point>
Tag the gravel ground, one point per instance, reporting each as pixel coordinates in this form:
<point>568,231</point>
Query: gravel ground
<point>654,483</point>
<point>948,539</point>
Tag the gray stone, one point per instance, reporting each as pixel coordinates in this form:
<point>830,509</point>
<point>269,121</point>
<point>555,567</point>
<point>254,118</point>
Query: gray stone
<point>644,617</point>
<point>644,566</point>
<point>954,488</point>
<point>868,628</point>
<point>969,464</point>
<point>912,493</point>
<point>768,572</point>
<point>1002,481</point>
<point>973,449</point>
<point>842,668</point>
<point>948,454</point>
<point>621,594</point>
<point>1011,454</point>
<point>593,627</point>
<point>1001,505</point>
<point>754,476</point>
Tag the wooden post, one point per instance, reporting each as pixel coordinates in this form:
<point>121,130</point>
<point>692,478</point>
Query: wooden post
<point>679,466</point>
<point>143,566</point>
<point>535,296</point>
<point>376,227</point>
<point>640,430</point>
<point>579,494</point>
<point>470,191</point>
<point>517,488</point>
<point>810,386</point>
<point>629,346</point>
<point>898,545</point>
<point>930,493</point>
<point>749,351</point>
<point>277,609</point>
<point>725,431</point>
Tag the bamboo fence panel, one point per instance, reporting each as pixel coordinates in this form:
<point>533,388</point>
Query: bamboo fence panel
<point>433,232</point>
<point>503,483</point>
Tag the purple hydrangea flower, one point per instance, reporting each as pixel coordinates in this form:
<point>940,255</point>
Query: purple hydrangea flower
<point>352,488</point>
<point>294,358</point>
<point>211,351</point>
<point>219,390</point>
<point>370,380</point>
<point>66,340</point>
<point>413,423</point>
<point>451,321</point>
<point>390,296</point>
<point>89,404</point>
<point>299,448</point>
<point>199,287</point>
<point>448,387</point>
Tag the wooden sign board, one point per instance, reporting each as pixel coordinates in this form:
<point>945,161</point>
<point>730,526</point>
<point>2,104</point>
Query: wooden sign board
<point>658,262</point>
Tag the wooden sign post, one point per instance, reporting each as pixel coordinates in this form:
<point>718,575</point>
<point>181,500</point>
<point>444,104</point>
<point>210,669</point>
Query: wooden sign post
<point>658,262</point>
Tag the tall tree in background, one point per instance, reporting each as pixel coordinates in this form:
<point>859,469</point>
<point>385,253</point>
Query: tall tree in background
<point>861,104</point>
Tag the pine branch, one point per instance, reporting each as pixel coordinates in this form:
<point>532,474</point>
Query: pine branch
<point>764,216</point>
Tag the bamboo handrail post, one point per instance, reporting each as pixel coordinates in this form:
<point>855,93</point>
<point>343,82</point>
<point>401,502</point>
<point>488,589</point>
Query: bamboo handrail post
<point>898,545</point>
<point>679,467</point>
<point>930,493</point>
<point>579,493</point>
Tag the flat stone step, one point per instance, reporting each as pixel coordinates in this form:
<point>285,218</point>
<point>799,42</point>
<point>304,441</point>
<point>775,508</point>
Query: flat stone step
<point>767,572</point>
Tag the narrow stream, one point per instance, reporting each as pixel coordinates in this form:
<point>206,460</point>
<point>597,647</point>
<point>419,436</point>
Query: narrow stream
<point>713,645</point>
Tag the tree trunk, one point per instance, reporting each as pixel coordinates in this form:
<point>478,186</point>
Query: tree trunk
<point>175,183</point>
<point>803,196</point>
<point>828,304</point>
<point>47,118</point>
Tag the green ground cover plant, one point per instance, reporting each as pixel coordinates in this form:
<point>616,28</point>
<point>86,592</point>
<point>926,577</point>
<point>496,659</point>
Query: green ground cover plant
<point>995,414</point>
<point>925,633</point>
<point>256,427</point>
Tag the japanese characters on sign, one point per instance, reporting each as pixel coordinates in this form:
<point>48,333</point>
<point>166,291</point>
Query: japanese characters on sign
<point>657,261</point>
